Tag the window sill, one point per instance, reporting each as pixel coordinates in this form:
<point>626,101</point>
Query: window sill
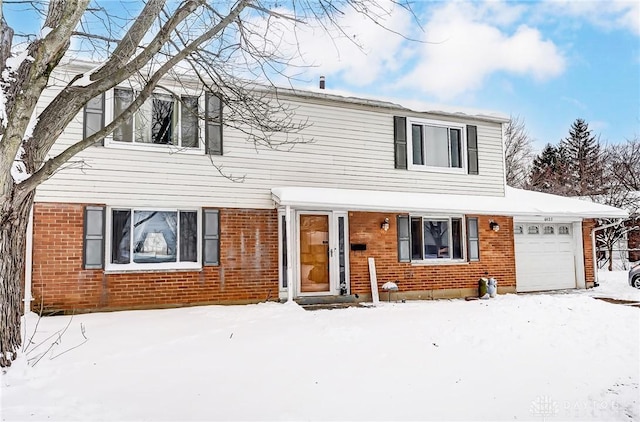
<point>445,170</point>
<point>436,263</point>
<point>166,148</point>
<point>152,270</point>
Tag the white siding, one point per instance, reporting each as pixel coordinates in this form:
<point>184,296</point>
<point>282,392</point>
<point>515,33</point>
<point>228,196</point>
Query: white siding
<point>348,146</point>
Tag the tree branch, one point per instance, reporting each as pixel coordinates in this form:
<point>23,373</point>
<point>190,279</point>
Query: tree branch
<point>32,77</point>
<point>52,165</point>
<point>94,36</point>
<point>131,41</point>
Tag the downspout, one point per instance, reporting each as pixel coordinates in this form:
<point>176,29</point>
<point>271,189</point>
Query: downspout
<point>287,221</point>
<point>504,161</point>
<point>593,246</point>
<point>28,264</point>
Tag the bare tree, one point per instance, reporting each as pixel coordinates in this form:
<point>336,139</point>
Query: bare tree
<point>518,152</point>
<point>624,164</point>
<point>216,42</point>
<point>622,190</point>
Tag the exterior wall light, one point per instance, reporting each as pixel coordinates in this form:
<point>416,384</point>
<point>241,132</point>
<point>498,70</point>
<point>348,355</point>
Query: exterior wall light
<point>494,226</point>
<point>385,225</point>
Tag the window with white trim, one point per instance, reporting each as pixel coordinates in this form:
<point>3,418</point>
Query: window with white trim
<point>563,230</point>
<point>162,119</point>
<point>149,239</point>
<point>143,237</point>
<point>548,230</point>
<point>436,145</point>
<point>533,230</point>
<point>437,239</point>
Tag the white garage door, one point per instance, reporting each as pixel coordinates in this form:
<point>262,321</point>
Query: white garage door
<point>545,257</point>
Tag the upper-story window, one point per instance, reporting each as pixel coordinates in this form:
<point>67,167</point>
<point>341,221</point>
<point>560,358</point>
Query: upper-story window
<point>422,144</point>
<point>162,119</point>
<point>436,146</point>
<point>188,122</point>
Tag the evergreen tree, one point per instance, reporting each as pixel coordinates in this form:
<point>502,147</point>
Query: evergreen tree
<point>548,172</point>
<point>584,160</point>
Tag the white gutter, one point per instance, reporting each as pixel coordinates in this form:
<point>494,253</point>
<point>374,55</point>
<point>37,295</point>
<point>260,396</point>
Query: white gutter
<point>593,245</point>
<point>28,264</point>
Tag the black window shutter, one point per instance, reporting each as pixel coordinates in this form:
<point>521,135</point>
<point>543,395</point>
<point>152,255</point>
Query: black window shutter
<point>93,238</point>
<point>472,148</point>
<point>473,239</point>
<point>93,117</point>
<point>210,237</point>
<point>213,124</point>
<point>400,141</point>
<point>404,247</point>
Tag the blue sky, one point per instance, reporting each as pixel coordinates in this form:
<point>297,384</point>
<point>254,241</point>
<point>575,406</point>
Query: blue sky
<point>548,62</point>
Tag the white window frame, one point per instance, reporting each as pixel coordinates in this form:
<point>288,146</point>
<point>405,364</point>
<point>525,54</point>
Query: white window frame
<point>444,124</point>
<point>109,106</point>
<point>134,266</point>
<point>463,240</point>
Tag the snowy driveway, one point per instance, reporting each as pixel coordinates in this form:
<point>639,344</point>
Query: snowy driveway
<point>533,357</point>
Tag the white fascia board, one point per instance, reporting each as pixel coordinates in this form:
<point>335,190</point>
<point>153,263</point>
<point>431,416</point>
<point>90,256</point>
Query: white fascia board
<point>520,203</point>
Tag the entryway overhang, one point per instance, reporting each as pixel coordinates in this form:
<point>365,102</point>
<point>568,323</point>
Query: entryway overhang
<point>515,202</point>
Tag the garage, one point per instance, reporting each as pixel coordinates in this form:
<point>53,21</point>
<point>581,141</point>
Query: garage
<point>545,256</point>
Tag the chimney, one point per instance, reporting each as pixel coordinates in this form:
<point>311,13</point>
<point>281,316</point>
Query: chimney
<point>321,82</point>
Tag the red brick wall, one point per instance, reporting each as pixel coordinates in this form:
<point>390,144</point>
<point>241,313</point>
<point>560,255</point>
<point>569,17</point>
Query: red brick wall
<point>496,257</point>
<point>634,240</point>
<point>249,263</point>
<point>248,270</point>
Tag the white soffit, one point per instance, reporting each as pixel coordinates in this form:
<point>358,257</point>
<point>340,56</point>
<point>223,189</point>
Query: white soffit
<point>516,202</point>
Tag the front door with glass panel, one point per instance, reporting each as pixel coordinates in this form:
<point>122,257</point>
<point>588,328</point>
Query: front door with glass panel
<point>322,259</point>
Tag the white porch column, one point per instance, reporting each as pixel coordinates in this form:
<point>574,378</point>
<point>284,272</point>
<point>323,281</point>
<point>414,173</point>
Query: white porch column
<point>287,220</point>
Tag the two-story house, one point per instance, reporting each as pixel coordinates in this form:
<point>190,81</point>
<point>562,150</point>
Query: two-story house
<point>148,221</point>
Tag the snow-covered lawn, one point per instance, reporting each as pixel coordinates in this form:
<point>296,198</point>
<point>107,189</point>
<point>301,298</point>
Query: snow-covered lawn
<point>526,357</point>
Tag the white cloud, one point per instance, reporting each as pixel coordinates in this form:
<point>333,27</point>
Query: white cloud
<point>465,49</point>
<point>609,15</point>
<point>359,54</point>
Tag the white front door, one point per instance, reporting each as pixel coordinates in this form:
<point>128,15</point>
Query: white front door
<point>322,258</point>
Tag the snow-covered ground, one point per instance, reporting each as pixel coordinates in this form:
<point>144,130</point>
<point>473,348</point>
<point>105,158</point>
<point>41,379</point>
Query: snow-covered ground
<point>615,284</point>
<point>516,357</point>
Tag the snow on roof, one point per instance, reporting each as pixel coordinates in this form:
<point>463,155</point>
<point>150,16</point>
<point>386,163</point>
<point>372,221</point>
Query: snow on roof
<point>342,96</point>
<point>417,106</point>
<point>516,202</point>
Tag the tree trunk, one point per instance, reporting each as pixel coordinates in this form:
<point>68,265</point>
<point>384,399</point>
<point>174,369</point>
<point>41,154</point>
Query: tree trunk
<point>14,219</point>
<point>610,250</point>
